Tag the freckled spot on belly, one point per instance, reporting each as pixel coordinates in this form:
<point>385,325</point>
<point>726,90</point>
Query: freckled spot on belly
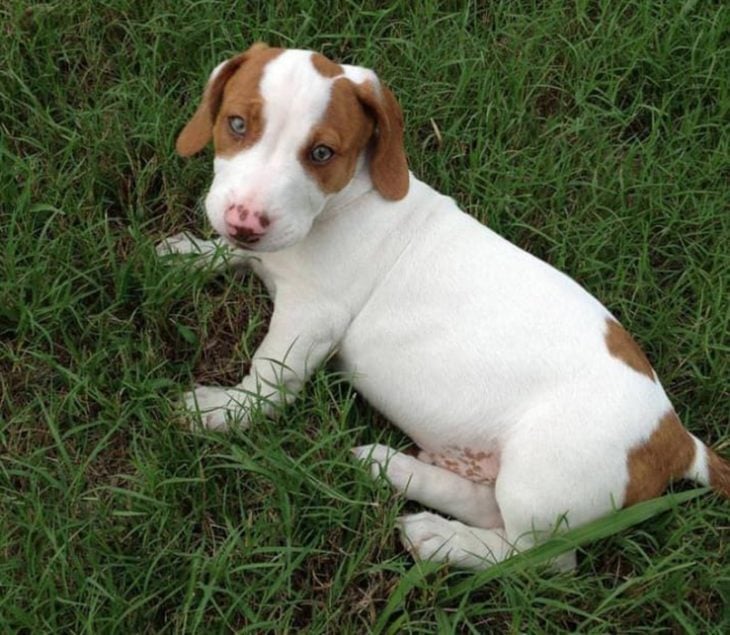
<point>477,466</point>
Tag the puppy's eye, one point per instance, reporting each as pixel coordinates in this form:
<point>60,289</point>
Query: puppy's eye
<point>237,125</point>
<point>321,154</point>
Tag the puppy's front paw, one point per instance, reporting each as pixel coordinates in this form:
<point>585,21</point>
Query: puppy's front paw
<point>181,243</point>
<point>217,408</point>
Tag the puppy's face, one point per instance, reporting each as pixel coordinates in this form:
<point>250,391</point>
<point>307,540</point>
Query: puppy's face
<point>290,128</point>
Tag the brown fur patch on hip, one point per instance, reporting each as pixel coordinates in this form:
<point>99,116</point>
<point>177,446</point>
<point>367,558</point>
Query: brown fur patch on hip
<point>622,346</point>
<point>666,455</point>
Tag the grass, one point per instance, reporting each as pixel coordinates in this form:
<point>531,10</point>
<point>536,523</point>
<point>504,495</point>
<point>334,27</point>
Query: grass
<point>593,134</point>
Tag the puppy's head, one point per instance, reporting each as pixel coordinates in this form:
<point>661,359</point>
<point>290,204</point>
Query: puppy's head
<point>290,128</point>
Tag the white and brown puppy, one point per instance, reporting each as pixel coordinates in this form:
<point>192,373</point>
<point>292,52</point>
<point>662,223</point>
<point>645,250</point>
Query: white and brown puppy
<point>529,401</point>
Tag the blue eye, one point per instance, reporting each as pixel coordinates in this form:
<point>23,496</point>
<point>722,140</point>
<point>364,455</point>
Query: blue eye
<point>321,154</point>
<point>237,125</point>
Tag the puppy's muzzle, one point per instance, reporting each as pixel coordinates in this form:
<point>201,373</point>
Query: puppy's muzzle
<point>245,224</point>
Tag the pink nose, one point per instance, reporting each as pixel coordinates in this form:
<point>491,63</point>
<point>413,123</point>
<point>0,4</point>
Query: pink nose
<point>246,224</point>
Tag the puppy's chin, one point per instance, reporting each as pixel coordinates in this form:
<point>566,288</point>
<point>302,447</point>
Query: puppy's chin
<point>265,243</point>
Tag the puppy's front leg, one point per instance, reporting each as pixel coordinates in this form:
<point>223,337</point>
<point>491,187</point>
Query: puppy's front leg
<point>301,335</point>
<point>214,253</point>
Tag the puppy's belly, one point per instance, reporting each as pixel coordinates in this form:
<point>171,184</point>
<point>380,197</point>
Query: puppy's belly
<point>473,464</point>
<point>456,423</point>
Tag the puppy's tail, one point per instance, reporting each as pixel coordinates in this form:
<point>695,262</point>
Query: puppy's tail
<point>709,468</point>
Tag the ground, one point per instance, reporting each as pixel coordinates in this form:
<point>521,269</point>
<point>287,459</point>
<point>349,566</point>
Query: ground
<point>593,134</point>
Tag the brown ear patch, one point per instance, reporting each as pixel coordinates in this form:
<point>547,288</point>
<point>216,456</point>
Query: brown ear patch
<point>665,456</point>
<point>344,127</point>
<point>326,67</point>
<point>388,163</point>
<point>200,129</point>
<point>622,346</point>
<point>241,97</point>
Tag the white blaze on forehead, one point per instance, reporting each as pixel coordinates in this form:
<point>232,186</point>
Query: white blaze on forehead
<point>295,97</point>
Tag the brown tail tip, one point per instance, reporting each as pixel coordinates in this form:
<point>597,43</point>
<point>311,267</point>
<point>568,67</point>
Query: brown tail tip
<point>719,470</point>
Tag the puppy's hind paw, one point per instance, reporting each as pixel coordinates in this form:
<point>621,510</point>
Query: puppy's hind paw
<point>427,536</point>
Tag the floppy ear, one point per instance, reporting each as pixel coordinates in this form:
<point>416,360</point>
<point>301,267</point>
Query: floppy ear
<point>199,130</point>
<point>388,163</point>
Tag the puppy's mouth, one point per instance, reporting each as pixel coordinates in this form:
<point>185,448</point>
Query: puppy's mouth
<point>264,241</point>
<point>249,243</point>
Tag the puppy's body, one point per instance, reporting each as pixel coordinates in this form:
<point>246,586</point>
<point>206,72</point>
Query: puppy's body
<point>528,400</point>
<point>511,359</point>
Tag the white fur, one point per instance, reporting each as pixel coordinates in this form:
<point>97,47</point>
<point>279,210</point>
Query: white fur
<point>699,470</point>
<point>457,336</point>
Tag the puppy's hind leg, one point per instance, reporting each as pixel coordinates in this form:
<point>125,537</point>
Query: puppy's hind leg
<point>435,487</point>
<point>428,536</point>
<point>481,539</point>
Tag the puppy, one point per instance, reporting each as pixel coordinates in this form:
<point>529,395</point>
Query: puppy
<point>530,403</point>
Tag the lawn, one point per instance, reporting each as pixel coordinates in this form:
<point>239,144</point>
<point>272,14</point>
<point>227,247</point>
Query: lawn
<point>595,135</point>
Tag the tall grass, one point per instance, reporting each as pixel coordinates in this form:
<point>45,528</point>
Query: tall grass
<point>594,134</point>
